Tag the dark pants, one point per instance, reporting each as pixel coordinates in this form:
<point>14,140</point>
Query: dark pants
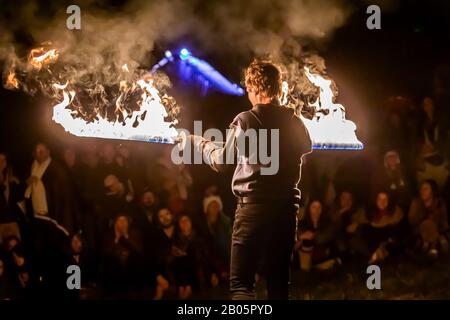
<point>263,231</point>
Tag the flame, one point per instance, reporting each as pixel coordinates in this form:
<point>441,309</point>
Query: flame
<point>39,57</point>
<point>329,128</point>
<point>148,123</point>
<point>125,68</point>
<point>11,81</point>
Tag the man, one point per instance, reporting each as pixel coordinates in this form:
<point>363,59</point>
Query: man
<point>393,178</point>
<point>265,220</point>
<point>114,200</point>
<point>49,189</point>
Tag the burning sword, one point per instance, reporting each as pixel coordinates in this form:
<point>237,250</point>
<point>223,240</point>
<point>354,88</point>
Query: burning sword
<point>146,124</point>
<point>327,125</point>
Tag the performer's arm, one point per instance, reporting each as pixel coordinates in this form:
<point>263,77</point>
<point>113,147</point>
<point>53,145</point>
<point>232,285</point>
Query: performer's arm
<point>218,155</point>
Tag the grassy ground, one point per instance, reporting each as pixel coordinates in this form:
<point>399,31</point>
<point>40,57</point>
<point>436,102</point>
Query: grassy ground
<point>401,278</point>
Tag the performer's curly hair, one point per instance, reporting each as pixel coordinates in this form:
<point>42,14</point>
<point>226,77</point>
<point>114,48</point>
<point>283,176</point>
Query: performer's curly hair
<point>265,77</point>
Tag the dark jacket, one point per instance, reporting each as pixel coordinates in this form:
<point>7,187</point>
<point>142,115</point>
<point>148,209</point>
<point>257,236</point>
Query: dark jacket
<point>61,201</point>
<point>253,176</point>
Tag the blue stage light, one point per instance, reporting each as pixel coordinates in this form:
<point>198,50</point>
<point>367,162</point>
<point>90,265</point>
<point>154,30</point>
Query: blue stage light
<point>184,54</point>
<point>168,54</point>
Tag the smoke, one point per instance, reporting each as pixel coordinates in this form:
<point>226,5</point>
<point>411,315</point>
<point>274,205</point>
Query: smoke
<point>265,27</point>
<point>117,32</point>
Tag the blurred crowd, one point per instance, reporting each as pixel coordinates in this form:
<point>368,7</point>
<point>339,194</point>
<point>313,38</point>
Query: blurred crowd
<point>132,236</point>
<point>131,224</point>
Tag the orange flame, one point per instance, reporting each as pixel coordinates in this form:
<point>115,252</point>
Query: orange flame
<point>39,57</point>
<point>11,81</point>
<point>331,127</point>
<point>125,68</point>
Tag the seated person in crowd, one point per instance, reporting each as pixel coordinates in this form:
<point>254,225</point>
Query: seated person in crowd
<point>188,265</point>
<point>122,256</point>
<point>21,280</point>
<point>165,252</point>
<point>149,205</point>
<point>348,219</point>
<point>428,218</point>
<point>432,143</point>
<point>108,163</point>
<point>78,255</point>
<point>179,255</point>
<point>394,179</point>
<point>114,200</point>
<point>175,181</point>
<point>316,235</point>
<point>383,231</point>
<point>216,230</point>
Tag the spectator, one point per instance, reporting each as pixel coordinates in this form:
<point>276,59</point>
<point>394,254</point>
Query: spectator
<point>10,196</point>
<point>114,200</point>
<point>394,178</point>
<point>49,189</point>
<point>149,205</point>
<point>22,281</point>
<point>73,169</point>
<point>188,258</point>
<point>217,232</point>
<point>428,218</point>
<point>132,168</point>
<point>316,237</point>
<point>383,233</point>
<point>166,251</point>
<point>401,124</point>
<point>108,163</point>
<point>349,218</point>
<point>78,255</point>
<point>91,187</point>
<point>92,180</point>
<point>146,220</point>
<point>432,142</point>
<point>175,181</point>
<point>122,260</point>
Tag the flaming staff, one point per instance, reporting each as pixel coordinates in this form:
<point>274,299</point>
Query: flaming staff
<point>324,119</point>
<point>131,110</point>
<point>134,109</point>
<point>146,124</point>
